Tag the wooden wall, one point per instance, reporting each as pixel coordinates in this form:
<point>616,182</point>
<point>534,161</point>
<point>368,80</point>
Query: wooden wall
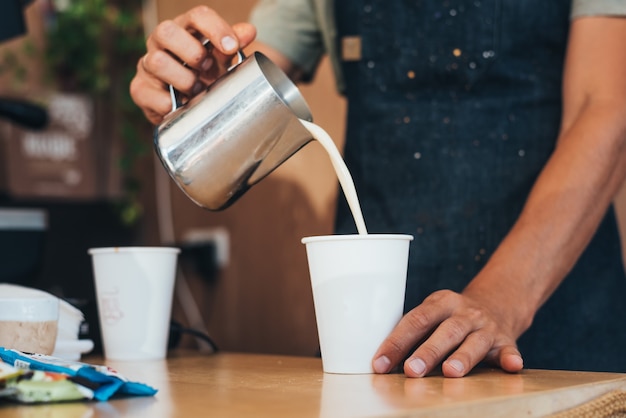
<point>262,300</point>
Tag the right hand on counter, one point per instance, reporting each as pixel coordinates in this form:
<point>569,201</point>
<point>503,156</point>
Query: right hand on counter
<point>456,330</point>
<point>178,41</point>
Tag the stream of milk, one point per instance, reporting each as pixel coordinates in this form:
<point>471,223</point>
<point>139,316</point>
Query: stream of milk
<point>344,176</point>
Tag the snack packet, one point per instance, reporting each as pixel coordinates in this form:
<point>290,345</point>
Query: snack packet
<point>6,373</point>
<point>37,378</point>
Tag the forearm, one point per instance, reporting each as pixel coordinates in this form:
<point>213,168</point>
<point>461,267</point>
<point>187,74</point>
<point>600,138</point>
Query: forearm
<point>577,185</point>
<point>561,215</point>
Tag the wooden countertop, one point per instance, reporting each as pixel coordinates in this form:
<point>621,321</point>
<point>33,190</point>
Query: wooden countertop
<point>246,385</point>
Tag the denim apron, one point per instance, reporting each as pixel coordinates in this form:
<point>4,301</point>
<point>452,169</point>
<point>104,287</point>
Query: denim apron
<point>453,109</point>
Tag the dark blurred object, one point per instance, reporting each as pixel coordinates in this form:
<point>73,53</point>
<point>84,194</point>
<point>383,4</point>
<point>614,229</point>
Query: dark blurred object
<point>22,233</point>
<point>12,18</point>
<point>21,112</point>
<point>202,256</point>
<point>12,24</point>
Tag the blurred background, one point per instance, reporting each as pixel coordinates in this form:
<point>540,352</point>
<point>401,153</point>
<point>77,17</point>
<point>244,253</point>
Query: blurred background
<point>83,174</point>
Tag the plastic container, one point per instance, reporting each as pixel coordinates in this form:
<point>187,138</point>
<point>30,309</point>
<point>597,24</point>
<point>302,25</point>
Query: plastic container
<point>70,319</point>
<point>28,319</point>
<point>68,346</point>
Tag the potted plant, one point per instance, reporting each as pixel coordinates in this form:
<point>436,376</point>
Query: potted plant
<point>89,54</point>
<point>92,47</point>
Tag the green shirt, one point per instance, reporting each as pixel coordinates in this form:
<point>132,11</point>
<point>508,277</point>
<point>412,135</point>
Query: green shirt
<point>304,30</point>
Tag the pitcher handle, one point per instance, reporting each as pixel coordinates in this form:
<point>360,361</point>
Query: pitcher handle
<point>176,103</point>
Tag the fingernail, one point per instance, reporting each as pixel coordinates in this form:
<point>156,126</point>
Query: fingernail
<point>229,43</point>
<point>382,364</point>
<point>206,64</point>
<point>197,88</point>
<point>456,365</point>
<point>418,366</point>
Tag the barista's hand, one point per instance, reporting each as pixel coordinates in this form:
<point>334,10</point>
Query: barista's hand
<point>176,41</point>
<point>459,329</point>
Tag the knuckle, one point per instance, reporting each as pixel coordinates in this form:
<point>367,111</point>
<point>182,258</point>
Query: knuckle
<point>144,64</point>
<point>135,89</point>
<point>440,296</point>
<point>474,315</point>
<point>186,82</point>
<point>140,66</point>
<point>418,319</point>
<point>484,340</point>
<point>197,56</point>
<point>434,297</point>
<point>154,119</point>
<point>201,9</point>
<point>395,346</point>
<point>200,13</point>
<point>154,104</point>
<point>162,107</point>
<point>165,29</point>
<point>156,59</point>
<point>455,329</point>
<point>159,106</point>
<point>476,348</point>
<point>430,353</point>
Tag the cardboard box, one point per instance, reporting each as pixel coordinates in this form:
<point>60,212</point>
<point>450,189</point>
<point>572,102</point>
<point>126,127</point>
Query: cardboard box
<point>70,159</point>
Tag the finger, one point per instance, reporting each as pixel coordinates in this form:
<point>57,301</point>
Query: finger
<point>510,359</point>
<point>507,357</point>
<point>163,67</point>
<point>156,109</point>
<point>170,36</point>
<point>150,96</point>
<point>207,22</point>
<point>411,329</point>
<point>448,336</point>
<point>245,33</point>
<point>471,352</point>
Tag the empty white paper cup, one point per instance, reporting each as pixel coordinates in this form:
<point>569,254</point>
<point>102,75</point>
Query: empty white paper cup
<point>134,291</point>
<point>358,284</point>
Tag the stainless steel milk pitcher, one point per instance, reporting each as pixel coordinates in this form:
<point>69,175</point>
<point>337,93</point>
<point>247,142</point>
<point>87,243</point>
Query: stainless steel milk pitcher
<point>233,134</point>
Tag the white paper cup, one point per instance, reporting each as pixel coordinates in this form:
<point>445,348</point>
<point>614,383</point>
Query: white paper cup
<point>134,290</point>
<point>358,284</point>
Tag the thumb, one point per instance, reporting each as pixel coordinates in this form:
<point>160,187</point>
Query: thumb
<point>510,359</point>
<point>245,33</point>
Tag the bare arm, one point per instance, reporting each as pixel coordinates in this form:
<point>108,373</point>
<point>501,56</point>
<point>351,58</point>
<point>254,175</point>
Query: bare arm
<point>561,215</point>
<point>176,41</point>
<point>587,168</point>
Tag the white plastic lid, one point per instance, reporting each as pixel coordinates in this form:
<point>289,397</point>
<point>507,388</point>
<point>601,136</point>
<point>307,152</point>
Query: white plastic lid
<point>18,303</point>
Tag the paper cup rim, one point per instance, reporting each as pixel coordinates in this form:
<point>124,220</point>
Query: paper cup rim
<point>357,237</point>
<point>135,249</point>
